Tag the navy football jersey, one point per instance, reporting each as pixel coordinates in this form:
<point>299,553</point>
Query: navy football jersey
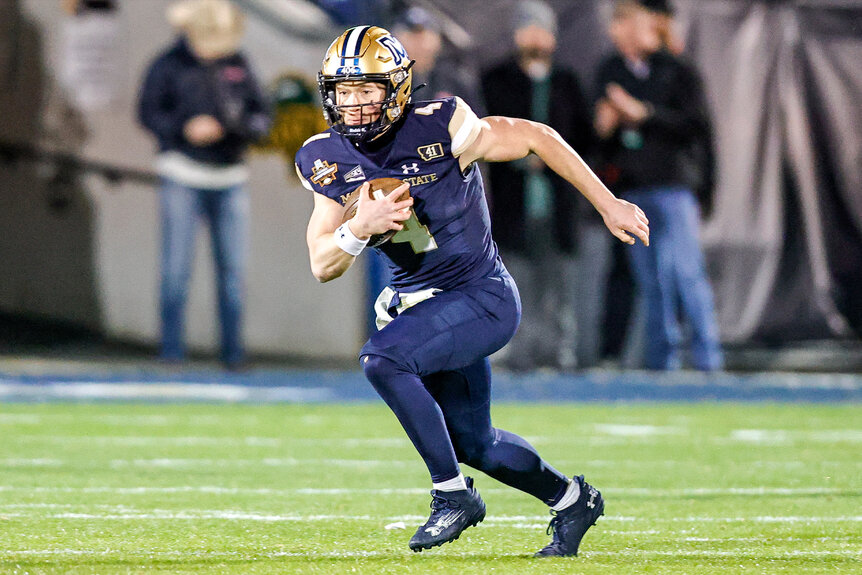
<point>447,242</point>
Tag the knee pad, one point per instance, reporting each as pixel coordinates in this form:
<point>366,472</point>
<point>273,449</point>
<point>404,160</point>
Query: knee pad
<point>377,368</point>
<point>381,371</point>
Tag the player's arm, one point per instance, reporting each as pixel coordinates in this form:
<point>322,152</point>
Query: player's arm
<point>328,261</point>
<point>326,235</point>
<point>502,139</point>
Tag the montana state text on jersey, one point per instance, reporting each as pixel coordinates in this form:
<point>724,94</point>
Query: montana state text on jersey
<point>449,242</point>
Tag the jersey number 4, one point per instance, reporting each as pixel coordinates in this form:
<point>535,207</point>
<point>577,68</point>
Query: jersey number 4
<point>416,234</point>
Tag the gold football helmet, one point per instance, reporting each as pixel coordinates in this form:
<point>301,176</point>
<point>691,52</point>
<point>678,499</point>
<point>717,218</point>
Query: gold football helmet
<point>366,54</point>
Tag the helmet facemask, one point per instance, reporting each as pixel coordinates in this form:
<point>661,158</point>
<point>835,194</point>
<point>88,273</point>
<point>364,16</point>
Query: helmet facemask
<point>378,58</point>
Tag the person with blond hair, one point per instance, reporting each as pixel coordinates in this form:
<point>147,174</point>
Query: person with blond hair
<point>204,106</point>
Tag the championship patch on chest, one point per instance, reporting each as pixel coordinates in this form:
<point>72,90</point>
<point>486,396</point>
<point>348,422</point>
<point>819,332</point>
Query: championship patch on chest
<point>323,173</point>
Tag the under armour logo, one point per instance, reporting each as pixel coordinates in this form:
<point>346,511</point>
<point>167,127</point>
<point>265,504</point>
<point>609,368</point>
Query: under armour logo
<point>591,503</point>
<point>410,169</point>
<point>444,522</point>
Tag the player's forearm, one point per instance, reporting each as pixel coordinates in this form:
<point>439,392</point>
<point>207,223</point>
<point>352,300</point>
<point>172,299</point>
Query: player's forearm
<point>507,139</point>
<point>565,161</point>
<point>328,260</point>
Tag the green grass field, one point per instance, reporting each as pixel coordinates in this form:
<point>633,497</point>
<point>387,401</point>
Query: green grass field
<point>690,488</point>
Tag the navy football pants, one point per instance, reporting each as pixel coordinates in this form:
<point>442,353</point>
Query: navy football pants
<point>430,365</point>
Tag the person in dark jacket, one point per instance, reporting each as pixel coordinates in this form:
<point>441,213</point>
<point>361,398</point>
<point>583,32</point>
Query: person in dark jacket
<point>533,211</point>
<point>651,110</point>
<point>201,101</point>
<point>438,68</point>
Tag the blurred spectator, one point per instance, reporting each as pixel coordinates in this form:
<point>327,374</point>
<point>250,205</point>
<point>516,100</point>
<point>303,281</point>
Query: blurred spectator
<point>77,7</point>
<point>623,335</point>
<point>652,107</point>
<point>663,12</point>
<point>699,162</point>
<point>204,106</point>
<point>421,35</point>
<point>354,12</point>
<point>91,64</point>
<point>533,210</point>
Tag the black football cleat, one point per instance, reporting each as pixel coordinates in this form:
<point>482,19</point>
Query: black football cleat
<point>451,513</point>
<point>569,525</point>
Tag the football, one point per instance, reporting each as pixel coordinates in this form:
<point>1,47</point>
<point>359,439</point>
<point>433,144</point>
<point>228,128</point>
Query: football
<point>380,187</point>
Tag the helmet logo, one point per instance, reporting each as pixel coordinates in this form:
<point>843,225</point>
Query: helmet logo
<point>399,54</point>
<point>365,54</point>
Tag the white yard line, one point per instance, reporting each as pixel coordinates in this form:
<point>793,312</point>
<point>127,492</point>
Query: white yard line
<point>524,521</point>
<point>223,490</point>
<point>756,491</point>
<point>732,553</point>
<point>164,390</point>
<point>31,462</point>
<point>317,554</point>
<point>624,430</point>
<point>595,434</point>
<point>167,462</point>
<point>20,418</point>
<point>622,491</point>
<point>213,440</point>
<point>786,436</point>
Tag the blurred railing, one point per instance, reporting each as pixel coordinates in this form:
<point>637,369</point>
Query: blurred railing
<point>70,165</point>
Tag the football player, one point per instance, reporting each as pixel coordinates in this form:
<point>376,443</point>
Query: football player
<point>451,302</point>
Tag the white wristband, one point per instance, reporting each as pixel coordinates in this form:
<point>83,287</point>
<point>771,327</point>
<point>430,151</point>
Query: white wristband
<point>347,241</point>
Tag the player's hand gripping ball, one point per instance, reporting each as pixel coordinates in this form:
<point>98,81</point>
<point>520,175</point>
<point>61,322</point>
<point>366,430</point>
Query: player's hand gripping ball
<point>380,187</point>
